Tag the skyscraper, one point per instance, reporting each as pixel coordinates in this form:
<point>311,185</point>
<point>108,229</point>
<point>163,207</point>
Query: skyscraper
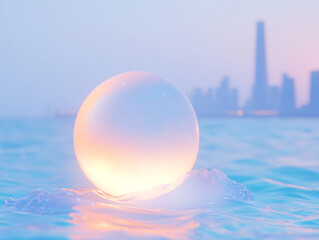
<point>260,88</point>
<point>226,98</point>
<point>274,98</point>
<point>222,95</point>
<point>314,93</point>
<point>288,103</point>
<point>312,109</point>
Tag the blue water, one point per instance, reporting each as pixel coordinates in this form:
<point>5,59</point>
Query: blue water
<point>44,195</point>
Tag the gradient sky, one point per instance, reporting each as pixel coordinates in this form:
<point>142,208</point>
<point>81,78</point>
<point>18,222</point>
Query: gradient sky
<point>54,53</point>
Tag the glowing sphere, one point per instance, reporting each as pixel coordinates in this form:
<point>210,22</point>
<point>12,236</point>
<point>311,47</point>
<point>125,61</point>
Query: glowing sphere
<point>134,132</point>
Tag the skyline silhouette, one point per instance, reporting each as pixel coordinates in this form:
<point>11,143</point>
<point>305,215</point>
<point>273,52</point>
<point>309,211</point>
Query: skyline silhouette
<point>265,100</point>
<point>54,54</point>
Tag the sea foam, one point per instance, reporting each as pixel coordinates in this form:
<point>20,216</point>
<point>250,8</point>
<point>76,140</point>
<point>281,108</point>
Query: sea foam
<point>199,189</point>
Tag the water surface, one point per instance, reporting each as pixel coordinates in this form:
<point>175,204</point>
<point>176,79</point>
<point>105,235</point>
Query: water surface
<point>276,159</point>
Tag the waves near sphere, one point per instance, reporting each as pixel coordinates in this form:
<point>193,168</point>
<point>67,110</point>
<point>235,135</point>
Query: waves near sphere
<point>169,215</point>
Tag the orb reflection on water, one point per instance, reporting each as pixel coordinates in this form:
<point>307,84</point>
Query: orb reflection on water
<point>135,131</point>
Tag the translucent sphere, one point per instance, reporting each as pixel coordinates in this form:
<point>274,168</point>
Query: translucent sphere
<point>135,131</point>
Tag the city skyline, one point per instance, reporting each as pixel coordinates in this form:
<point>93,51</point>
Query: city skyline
<point>53,54</point>
<point>265,100</point>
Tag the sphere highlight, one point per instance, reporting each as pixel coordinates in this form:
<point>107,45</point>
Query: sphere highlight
<point>135,131</point>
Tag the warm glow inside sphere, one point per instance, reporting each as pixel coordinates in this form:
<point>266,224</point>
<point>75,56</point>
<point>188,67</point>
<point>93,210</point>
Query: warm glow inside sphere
<point>135,131</point>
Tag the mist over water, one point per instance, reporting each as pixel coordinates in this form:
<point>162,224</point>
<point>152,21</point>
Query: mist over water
<point>275,159</point>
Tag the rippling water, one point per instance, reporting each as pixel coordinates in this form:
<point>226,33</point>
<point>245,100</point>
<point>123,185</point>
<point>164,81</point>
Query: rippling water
<point>43,193</point>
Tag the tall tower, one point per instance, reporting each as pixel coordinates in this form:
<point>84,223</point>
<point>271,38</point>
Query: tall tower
<point>288,102</point>
<point>260,88</point>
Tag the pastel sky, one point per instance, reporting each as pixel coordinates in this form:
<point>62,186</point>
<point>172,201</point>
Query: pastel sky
<point>54,53</point>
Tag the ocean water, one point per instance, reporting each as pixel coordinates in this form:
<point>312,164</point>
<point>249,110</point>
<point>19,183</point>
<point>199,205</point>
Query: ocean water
<point>271,190</point>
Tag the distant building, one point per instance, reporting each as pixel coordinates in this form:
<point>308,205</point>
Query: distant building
<point>288,102</point>
<point>264,101</point>
<point>226,98</point>
<point>202,102</point>
<point>221,102</point>
<point>260,88</point>
<point>222,96</point>
<point>274,98</point>
<point>314,93</point>
<point>312,109</point>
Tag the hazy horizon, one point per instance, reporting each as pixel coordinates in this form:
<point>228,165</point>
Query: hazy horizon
<point>53,54</point>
